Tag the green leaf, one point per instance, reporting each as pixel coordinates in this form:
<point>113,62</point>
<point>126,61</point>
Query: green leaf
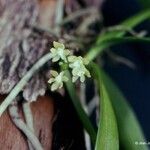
<point>104,40</point>
<point>80,111</point>
<point>136,19</point>
<point>98,49</point>
<point>118,40</point>
<point>145,3</point>
<point>128,23</point>
<point>107,137</point>
<point>128,125</point>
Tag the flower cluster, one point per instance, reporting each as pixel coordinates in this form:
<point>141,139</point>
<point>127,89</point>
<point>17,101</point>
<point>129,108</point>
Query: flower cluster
<point>76,63</point>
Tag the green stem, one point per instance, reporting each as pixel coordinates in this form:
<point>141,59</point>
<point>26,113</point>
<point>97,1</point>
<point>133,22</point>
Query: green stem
<point>15,91</point>
<point>80,111</point>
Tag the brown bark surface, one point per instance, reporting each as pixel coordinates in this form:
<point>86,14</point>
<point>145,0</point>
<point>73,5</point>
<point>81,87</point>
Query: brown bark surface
<point>12,139</point>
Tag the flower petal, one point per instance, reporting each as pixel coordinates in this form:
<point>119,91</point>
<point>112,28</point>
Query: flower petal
<point>72,58</point>
<point>74,78</point>
<point>71,65</point>
<point>61,73</point>
<point>61,85</point>
<point>87,73</point>
<point>56,58</point>
<point>51,80</point>
<point>82,78</point>
<point>63,57</point>
<point>54,73</point>
<point>67,52</point>
<point>53,50</point>
<point>85,61</point>
<point>54,86</point>
<point>58,45</point>
<point>75,71</point>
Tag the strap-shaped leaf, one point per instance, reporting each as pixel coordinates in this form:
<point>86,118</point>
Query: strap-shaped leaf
<point>104,40</point>
<point>107,137</point>
<point>128,125</point>
<point>99,48</point>
<point>128,23</point>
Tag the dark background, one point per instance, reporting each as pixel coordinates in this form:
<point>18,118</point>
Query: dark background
<point>134,83</point>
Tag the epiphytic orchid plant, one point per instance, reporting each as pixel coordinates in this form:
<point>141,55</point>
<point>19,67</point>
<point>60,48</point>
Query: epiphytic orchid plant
<point>111,129</point>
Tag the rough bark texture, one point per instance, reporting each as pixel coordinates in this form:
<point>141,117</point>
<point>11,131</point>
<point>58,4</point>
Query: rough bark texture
<point>21,46</point>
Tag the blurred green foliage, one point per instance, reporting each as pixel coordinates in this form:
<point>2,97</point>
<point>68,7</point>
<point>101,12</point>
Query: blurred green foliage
<point>145,3</point>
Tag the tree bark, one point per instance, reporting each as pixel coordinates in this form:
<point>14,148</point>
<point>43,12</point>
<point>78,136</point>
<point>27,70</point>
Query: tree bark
<point>43,112</point>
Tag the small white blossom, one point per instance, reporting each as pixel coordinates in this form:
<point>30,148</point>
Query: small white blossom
<point>59,52</point>
<point>57,80</point>
<point>78,68</point>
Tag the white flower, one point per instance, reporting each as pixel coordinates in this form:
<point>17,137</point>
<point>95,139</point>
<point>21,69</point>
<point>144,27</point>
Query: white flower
<point>59,52</point>
<point>78,68</point>
<point>57,80</point>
